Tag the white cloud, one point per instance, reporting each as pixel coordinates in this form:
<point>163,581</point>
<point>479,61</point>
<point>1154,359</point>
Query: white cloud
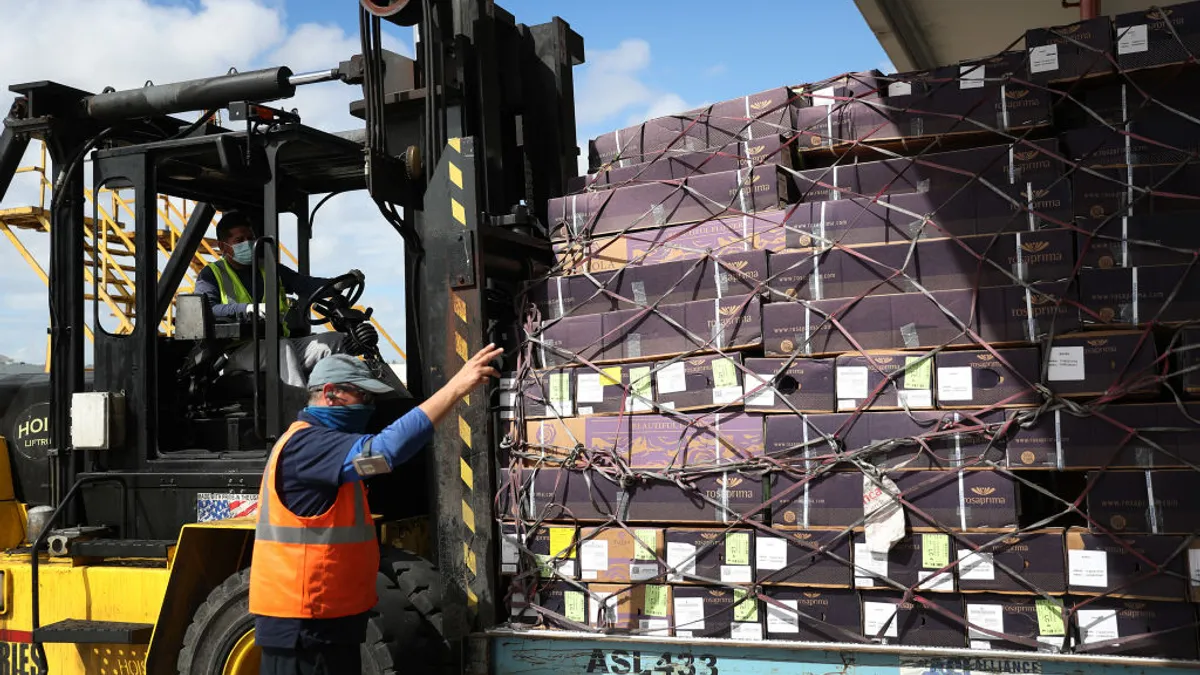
<point>127,42</point>
<point>716,70</point>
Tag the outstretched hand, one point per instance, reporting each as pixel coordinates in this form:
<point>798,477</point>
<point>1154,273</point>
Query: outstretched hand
<point>475,371</point>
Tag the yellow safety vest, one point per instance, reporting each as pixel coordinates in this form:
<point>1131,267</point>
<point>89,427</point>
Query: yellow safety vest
<point>232,290</point>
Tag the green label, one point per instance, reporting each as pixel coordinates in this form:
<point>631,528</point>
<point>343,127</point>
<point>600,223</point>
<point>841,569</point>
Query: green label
<point>744,609</point>
<point>656,600</point>
<point>560,387</point>
<point>737,548</point>
<point>544,567</point>
<point>639,379</point>
<point>646,547</point>
<point>575,608</point>
<point>1050,619</point>
<point>917,371</point>
<point>724,373</point>
<point>935,551</point>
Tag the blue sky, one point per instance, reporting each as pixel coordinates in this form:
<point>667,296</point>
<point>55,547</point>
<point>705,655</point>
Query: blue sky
<point>643,59</point>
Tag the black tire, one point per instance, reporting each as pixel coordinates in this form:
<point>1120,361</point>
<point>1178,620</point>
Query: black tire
<point>403,632</point>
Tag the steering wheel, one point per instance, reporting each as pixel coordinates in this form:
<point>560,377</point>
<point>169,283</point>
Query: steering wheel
<point>340,292</point>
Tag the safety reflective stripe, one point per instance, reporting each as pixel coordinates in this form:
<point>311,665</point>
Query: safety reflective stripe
<point>360,531</point>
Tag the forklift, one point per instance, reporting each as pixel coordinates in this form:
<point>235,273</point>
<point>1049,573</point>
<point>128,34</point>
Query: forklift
<point>114,561</point>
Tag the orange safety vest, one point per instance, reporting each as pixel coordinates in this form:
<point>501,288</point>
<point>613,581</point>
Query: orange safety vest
<point>314,567</point>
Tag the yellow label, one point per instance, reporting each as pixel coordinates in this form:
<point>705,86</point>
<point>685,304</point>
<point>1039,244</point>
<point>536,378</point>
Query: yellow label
<point>575,608</point>
<point>656,600</point>
<point>724,373</point>
<point>744,608</point>
<point>917,371</point>
<point>737,548</point>
<point>610,376</point>
<point>1050,620</point>
<point>639,378</point>
<point>561,540</point>
<point>935,551</point>
<point>646,547</point>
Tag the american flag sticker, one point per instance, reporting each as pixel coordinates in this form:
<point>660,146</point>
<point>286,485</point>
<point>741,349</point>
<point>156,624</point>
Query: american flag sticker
<point>222,505</point>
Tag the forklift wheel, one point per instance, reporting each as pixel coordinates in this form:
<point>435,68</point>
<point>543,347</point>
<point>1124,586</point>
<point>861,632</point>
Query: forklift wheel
<point>404,630</point>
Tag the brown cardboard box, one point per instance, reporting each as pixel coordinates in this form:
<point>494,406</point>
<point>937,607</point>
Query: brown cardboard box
<point>1092,363</point>
<point>615,554</point>
<point>641,610</point>
<point>885,380</point>
<point>1025,562</point>
<point>920,561</point>
<point>1150,567</point>
<point>715,612</point>
<point>981,379</point>
<point>787,385</point>
<point>553,440</point>
<point>1119,501</point>
<point>812,615</point>
<point>811,558</point>
<point>710,555</point>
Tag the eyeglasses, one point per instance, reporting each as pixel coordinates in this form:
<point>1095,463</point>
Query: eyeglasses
<point>366,396</point>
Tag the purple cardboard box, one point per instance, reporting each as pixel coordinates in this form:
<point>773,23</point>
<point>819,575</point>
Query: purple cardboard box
<point>1165,294</point>
<point>1020,314</point>
<point>978,379</point>
<point>565,340</point>
<point>1092,363</point>
<point>1154,239</point>
<point>1155,136</point>
<point>739,155</point>
<point>828,500</point>
<point>678,441</point>
<point>1149,567</point>
<point>1119,501</point>
<point>709,555</point>
<point>575,295</point>
<point>1161,438</point>
<point>1148,37</point>
<point>557,494</point>
<point>621,389</point>
<point>1160,630</point>
<point>1066,53</point>
<point>984,500</point>
<point>636,334</point>
<point>559,597</point>
<point>813,615</point>
<point>715,612</point>
<point>811,558</point>
<point>881,380</point>
<point>698,382</point>
<point>917,561</point>
<point>784,385</point>
<point>680,281</point>
<point>1187,360</point>
<point>1024,161</point>
<point>910,320</point>
<point>548,394</point>
<point>1026,562</point>
<point>622,147</point>
<point>840,273</point>
<point>750,118</point>
<point>992,616</point>
<point>888,619</point>
<point>712,498</point>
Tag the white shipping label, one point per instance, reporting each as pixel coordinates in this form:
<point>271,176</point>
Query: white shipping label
<point>635,404</point>
<point>781,620</point>
<point>915,398</point>
<point>852,382</point>
<point>643,571</point>
<point>744,630</point>
<point>764,397</point>
<point>975,566</point>
<point>585,410</point>
<point>986,616</point>
<point>868,565</point>
<point>509,551</point>
<point>1043,59</point>
<point>771,553</point>
<point>876,614</point>
<point>1133,39</point>
<point>1066,364</point>
<point>824,97</point>
<point>1193,564</point>
<point>899,89</point>
<point>735,574</point>
<point>689,613</point>
<point>672,379</point>
<point>1087,568</point>
<point>954,384</point>
<point>681,557</point>
<point>932,580</point>
<point>980,644</point>
<point>1097,625</point>
<point>589,389</point>
<point>508,399</point>
<point>655,627</point>
<point>593,555</point>
<point>604,608</point>
<point>971,77</point>
<point>723,395</point>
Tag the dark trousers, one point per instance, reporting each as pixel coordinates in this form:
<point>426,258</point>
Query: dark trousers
<point>323,660</point>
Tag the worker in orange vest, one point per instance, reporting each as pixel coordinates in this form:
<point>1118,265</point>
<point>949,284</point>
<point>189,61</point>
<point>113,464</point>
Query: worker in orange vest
<point>316,554</point>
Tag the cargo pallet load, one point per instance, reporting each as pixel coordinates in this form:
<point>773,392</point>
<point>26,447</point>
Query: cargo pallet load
<point>885,373</point>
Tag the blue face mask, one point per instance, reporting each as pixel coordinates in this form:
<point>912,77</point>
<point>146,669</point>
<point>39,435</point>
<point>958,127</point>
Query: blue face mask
<point>351,418</point>
<point>243,252</point>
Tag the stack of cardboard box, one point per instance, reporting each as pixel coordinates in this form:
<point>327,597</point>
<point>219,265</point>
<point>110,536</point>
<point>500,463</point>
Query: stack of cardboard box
<point>812,348</point>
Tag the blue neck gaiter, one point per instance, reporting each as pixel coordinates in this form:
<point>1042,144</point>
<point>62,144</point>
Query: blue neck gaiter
<point>351,418</point>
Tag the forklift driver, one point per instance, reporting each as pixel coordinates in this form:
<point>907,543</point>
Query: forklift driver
<point>316,555</point>
<point>226,283</point>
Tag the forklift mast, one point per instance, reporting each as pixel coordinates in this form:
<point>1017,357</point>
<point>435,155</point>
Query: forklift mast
<point>460,149</point>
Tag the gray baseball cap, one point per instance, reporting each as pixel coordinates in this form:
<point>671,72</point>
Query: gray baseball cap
<point>345,369</point>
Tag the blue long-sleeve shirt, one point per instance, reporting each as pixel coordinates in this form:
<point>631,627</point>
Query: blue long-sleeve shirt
<point>293,282</point>
<point>316,462</point>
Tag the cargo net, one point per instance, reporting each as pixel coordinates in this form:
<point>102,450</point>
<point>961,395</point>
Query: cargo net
<point>893,359</point>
